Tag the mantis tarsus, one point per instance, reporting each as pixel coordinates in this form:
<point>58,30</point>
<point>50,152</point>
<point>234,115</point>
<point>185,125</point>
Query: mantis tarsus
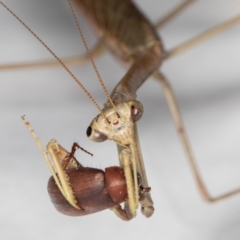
<point>207,196</point>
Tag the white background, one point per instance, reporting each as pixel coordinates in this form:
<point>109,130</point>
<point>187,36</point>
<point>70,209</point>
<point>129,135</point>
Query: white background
<point>206,81</point>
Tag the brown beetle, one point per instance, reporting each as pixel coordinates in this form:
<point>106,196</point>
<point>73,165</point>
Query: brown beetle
<point>94,189</point>
<point>87,190</point>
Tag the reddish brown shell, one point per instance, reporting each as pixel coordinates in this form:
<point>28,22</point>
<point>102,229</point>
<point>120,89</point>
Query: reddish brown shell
<point>115,184</point>
<point>89,188</point>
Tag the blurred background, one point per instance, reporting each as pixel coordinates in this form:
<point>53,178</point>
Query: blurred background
<point>206,82</point>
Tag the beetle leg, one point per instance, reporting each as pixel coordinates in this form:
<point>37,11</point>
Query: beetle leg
<point>124,214</point>
<point>70,161</point>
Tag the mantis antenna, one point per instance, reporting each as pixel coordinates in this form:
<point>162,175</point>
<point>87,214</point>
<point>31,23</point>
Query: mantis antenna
<point>90,56</point>
<point>61,62</point>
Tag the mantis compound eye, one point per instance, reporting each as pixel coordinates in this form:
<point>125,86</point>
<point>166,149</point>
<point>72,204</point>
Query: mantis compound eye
<point>136,111</point>
<point>89,131</point>
<point>95,135</point>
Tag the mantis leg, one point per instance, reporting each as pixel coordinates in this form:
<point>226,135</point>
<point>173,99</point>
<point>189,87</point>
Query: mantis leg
<point>130,206</point>
<point>145,199</point>
<point>174,12</point>
<point>202,37</point>
<point>198,39</point>
<point>124,214</point>
<point>96,51</point>
<point>126,162</point>
<point>54,156</point>
<point>172,103</point>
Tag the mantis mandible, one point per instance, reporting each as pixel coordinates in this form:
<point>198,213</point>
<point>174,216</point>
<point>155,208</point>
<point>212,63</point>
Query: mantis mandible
<point>155,54</point>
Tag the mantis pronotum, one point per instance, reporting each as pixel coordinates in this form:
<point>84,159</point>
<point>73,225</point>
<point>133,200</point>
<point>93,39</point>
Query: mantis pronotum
<point>200,158</point>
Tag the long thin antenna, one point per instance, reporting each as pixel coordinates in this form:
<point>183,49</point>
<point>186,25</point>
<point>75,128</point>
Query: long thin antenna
<point>54,55</point>
<point>90,56</point>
